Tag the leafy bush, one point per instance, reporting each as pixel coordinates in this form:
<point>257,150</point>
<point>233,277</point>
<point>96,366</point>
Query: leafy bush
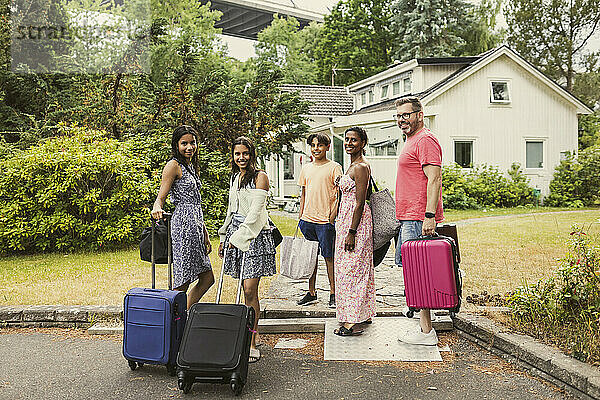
<point>565,309</point>
<point>78,190</point>
<point>484,186</point>
<point>576,181</point>
<point>83,190</point>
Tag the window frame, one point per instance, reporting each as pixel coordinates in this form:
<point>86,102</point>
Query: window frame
<point>386,94</point>
<point>394,85</point>
<point>409,80</point>
<point>472,142</point>
<point>535,140</point>
<point>508,90</point>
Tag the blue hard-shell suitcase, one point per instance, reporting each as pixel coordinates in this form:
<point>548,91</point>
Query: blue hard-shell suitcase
<point>154,321</point>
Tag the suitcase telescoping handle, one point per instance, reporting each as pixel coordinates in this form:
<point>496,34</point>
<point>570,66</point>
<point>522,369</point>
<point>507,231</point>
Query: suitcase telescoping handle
<point>239,288</point>
<point>166,217</point>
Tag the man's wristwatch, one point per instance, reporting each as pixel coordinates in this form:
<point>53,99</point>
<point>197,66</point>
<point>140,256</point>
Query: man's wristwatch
<point>352,231</point>
<point>429,215</point>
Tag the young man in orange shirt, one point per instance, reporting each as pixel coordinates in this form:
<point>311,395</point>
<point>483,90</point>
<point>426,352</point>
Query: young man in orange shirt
<point>318,209</point>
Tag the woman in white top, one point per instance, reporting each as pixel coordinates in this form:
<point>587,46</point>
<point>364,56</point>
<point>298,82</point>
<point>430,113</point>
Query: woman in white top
<point>246,236</point>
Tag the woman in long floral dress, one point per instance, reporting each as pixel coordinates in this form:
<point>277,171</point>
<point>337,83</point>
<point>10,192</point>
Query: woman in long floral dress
<point>353,260</point>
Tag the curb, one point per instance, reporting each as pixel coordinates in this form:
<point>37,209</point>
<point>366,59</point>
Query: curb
<point>549,363</point>
<point>47,316</point>
<point>273,325</point>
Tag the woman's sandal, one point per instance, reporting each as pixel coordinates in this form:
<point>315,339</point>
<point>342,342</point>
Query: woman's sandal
<point>343,331</point>
<point>254,355</point>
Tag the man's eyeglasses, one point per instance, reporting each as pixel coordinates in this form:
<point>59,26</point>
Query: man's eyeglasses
<point>404,115</point>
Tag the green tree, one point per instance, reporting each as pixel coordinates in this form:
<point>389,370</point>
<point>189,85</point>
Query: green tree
<point>553,34</point>
<point>285,45</point>
<point>589,130</point>
<point>355,35</point>
<point>442,28</point>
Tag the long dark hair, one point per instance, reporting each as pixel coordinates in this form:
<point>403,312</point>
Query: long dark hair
<point>177,134</point>
<point>251,169</point>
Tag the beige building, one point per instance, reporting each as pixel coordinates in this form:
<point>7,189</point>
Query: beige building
<point>495,108</point>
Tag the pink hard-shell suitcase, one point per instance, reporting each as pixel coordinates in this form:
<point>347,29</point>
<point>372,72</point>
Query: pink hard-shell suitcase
<point>431,276</point>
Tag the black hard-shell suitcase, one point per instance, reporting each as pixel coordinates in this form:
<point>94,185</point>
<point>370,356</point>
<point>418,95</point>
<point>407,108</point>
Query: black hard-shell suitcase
<point>216,343</point>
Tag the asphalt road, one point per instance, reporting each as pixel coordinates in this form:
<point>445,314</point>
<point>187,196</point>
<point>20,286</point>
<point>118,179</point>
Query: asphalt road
<point>59,364</point>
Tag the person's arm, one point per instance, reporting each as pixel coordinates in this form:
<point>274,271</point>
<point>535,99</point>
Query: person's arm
<point>228,217</point>
<point>257,216</point>
<point>302,199</point>
<point>337,172</point>
<point>361,179</point>
<point>170,172</point>
<point>207,241</point>
<point>434,184</point>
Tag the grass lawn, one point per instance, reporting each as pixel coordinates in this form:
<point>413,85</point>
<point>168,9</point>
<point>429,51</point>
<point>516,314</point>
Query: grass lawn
<point>498,255</point>
<point>99,278</point>
<point>457,215</point>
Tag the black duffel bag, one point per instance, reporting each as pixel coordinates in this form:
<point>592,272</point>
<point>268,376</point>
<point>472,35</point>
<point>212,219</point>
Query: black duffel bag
<point>161,242</point>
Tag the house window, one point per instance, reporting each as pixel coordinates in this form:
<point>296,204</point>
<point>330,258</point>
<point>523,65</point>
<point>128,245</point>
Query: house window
<point>363,99</point>
<point>385,148</point>
<point>463,154</point>
<point>534,154</point>
<point>396,88</point>
<point>407,85</point>
<point>499,92</point>
<point>371,96</point>
<point>288,166</point>
<point>384,91</point>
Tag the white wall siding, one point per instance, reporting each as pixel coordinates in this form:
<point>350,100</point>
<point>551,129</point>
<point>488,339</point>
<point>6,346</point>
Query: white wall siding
<point>499,131</point>
<point>432,74</point>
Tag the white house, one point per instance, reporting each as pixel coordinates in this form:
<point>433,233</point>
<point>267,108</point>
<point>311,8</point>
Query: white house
<point>495,108</point>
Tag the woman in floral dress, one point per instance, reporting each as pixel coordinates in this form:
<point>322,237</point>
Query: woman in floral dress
<point>353,261</point>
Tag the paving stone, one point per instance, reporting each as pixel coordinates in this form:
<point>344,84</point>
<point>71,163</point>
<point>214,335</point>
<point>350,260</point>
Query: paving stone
<point>39,313</point>
<point>11,314</point>
<point>594,385</point>
<point>292,325</point>
<point>71,313</point>
<point>568,370</point>
<point>102,329</point>
<point>376,343</point>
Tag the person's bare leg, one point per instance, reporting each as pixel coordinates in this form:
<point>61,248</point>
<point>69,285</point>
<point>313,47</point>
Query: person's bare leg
<point>251,300</point>
<point>205,281</point>
<point>312,282</point>
<point>330,274</point>
<point>425,321</point>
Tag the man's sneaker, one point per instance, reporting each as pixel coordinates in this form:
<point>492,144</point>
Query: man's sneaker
<point>308,299</point>
<point>332,301</point>
<point>420,338</point>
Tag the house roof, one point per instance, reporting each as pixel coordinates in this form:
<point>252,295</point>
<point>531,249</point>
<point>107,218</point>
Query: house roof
<point>473,64</point>
<point>325,100</point>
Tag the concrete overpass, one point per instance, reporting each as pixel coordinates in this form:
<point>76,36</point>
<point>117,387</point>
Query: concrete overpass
<point>245,18</point>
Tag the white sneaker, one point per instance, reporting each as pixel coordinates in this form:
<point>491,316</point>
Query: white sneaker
<point>420,338</point>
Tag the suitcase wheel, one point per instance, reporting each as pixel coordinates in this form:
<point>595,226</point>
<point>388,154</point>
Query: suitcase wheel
<point>171,369</point>
<point>410,313</point>
<point>184,384</point>
<point>133,365</point>
<point>236,386</point>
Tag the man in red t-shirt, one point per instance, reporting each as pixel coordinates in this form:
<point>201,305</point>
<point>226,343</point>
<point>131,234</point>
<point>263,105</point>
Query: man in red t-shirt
<point>418,193</point>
